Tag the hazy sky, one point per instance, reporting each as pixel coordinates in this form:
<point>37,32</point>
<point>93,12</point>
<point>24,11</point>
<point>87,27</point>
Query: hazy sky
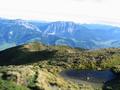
<point>68,10</point>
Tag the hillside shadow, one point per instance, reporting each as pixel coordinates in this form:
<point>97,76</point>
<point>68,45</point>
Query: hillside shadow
<point>17,56</point>
<point>113,84</point>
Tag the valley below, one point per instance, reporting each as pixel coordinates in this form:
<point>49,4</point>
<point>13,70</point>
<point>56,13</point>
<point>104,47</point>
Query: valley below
<point>90,36</point>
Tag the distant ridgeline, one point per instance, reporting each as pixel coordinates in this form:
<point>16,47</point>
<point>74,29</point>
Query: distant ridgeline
<point>90,36</point>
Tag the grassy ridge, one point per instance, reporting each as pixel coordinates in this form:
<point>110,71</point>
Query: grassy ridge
<point>49,60</point>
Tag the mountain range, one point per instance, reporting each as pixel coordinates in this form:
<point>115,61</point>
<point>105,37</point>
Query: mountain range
<point>89,36</point>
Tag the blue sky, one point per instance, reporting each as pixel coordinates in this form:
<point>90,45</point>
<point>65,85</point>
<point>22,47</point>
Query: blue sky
<point>64,10</point>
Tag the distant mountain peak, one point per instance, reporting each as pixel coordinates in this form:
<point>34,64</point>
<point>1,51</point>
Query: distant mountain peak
<point>88,36</point>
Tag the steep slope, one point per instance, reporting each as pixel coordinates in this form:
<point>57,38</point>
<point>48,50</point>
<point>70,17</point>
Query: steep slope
<point>90,36</point>
<point>66,33</point>
<point>16,32</point>
<point>81,35</point>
